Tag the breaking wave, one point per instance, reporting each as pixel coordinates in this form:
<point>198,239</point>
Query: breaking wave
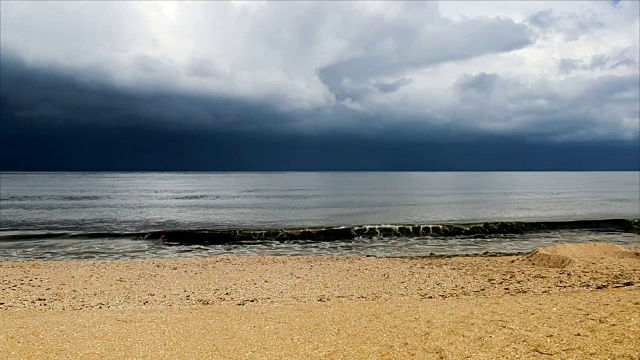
<point>232,235</point>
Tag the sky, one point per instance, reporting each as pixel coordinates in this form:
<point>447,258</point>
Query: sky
<point>270,86</point>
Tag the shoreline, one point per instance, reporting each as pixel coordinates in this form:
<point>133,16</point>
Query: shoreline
<point>564,300</point>
<point>476,239</point>
<point>226,235</point>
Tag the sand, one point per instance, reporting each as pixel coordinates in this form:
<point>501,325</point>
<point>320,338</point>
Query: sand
<point>564,301</point>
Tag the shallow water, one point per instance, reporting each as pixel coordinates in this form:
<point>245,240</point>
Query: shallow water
<point>114,249</point>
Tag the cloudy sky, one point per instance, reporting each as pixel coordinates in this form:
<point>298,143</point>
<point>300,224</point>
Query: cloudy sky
<point>451,85</point>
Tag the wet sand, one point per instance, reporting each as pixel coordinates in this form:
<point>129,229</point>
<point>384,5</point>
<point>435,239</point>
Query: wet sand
<point>564,301</point>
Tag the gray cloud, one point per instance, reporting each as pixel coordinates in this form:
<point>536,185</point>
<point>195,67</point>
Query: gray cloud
<point>567,66</point>
<point>543,19</point>
<point>482,83</point>
<point>203,68</point>
<point>627,57</point>
<point>572,26</point>
<point>491,103</point>
<point>393,86</point>
<point>152,65</point>
<point>623,63</point>
<point>394,49</point>
<point>607,61</point>
<point>598,61</point>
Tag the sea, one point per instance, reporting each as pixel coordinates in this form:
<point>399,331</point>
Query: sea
<point>131,215</point>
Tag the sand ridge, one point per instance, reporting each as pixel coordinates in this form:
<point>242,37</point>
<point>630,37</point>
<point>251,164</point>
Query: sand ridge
<point>563,255</point>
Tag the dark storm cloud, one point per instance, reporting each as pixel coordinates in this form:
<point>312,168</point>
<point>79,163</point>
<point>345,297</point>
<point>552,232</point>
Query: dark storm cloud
<point>34,95</point>
<point>53,121</point>
<point>349,85</point>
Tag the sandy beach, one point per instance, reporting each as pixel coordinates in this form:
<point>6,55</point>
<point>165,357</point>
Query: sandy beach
<point>565,301</point>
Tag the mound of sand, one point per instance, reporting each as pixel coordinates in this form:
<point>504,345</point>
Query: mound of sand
<point>563,255</point>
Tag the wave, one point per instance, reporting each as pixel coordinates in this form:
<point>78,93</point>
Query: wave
<point>231,235</point>
<point>22,198</point>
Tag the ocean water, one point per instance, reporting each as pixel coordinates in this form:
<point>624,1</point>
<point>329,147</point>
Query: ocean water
<point>44,215</point>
